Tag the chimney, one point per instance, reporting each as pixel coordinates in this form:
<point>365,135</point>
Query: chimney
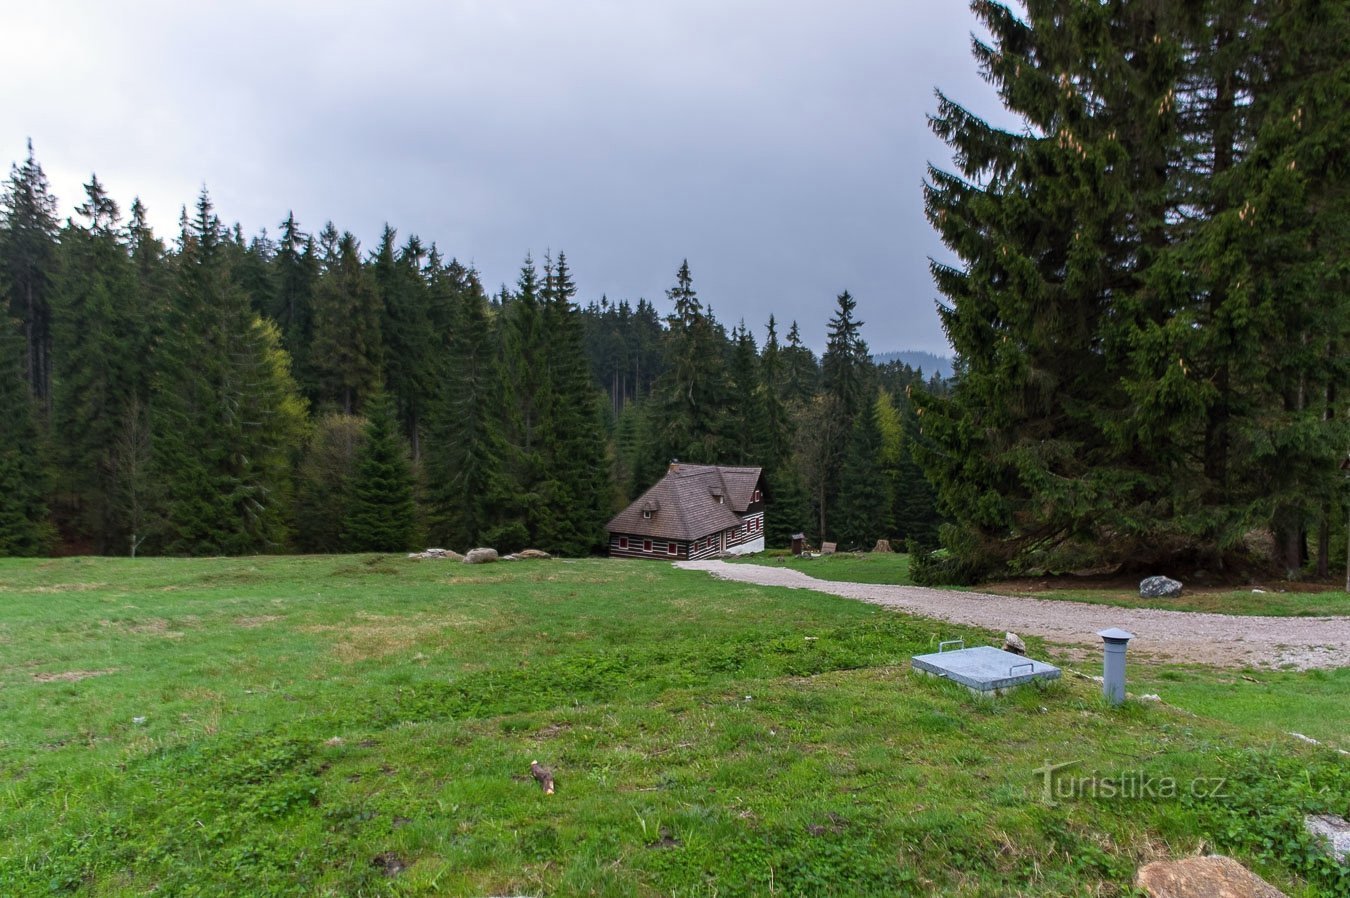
<point>674,466</point>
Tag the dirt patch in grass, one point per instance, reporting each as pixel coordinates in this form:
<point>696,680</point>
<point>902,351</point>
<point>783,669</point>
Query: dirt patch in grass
<point>249,623</point>
<point>71,676</point>
<point>150,626</point>
<point>57,588</point>
<point>389,863</point>
<point>376,636</point>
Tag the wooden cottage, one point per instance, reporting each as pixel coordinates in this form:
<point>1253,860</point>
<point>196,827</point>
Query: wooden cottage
<point>695,511</point>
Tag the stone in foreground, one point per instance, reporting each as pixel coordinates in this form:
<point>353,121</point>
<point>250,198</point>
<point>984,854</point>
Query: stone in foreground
<point>984,669</point>
<point>1203,877</point>
<point>1333,832</point>
<point>1159,588</point>
<point>480,556</point>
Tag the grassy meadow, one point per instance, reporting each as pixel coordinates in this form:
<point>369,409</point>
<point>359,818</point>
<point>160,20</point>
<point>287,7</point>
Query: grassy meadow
<point>364,725</point>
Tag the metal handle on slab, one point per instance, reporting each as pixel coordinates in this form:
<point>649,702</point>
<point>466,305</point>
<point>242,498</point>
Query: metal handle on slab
<point>960,642</point>
<point>1030,664</point>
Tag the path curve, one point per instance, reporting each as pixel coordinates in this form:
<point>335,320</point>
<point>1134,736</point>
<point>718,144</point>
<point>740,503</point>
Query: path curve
<point>1217,639</point>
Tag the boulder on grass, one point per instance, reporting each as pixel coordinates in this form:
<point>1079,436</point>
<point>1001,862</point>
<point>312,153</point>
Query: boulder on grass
<point>883,545</point>
<point>1013,643</point>
<point>1202,877</point>
<point>1159,588</point>
<point>533,553</point>
<point>480,556</point>
<point>1333,832</point>
<point>444,554</point>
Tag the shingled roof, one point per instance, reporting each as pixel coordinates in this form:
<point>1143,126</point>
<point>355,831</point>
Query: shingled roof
<point>683,505</point>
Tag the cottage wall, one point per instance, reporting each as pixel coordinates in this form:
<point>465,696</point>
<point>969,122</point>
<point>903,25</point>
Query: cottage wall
<point>749,536</point>
<point>630,545</point>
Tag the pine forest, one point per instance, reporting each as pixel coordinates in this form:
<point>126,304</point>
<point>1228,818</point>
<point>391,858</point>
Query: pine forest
<point>1148,295</point>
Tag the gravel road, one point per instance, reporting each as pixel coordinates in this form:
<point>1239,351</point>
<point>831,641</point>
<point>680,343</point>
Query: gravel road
<point>1215,639</point>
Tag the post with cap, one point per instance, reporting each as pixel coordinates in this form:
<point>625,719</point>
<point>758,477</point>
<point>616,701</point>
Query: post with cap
<point>1113,666</point>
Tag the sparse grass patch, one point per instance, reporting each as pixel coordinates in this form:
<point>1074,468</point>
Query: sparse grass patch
<point>325,727</point>
<point>1270,602</point>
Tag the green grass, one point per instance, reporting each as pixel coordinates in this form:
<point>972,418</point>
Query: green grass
<point>894,568</point>
<point>1270,603</point>
<point>364,726</point>
<point>1267,704</point>
<point>850,567</point>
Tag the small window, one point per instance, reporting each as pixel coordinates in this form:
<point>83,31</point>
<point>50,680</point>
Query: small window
<point>673,548</point>
<point>623,542</point>
<point>647,515</point>
<point>756,498</point>
<point>646,545</point>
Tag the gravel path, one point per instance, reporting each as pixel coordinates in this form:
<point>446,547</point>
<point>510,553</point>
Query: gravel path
<point>1217,639</point>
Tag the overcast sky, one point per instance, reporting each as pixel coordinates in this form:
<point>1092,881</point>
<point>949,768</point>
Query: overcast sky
<point>780,146</point>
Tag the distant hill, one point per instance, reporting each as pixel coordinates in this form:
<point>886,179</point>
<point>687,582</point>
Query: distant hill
<point>916,359</point>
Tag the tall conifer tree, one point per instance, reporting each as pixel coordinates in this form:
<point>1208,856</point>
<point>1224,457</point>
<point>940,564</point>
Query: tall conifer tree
<point>28,266</point>
<point>576,490</point>
<point>380,516</point>
<point>101,346</point>
<point>347,350</point>
<point>464,451</point>
<point>25,528</point>
<point>1055,223</point>
<point>226,412</point>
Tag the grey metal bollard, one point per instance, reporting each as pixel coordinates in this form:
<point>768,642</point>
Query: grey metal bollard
<point>1113,665</point>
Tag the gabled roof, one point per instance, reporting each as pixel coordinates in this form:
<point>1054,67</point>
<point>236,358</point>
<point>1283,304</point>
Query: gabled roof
<point>683,504</point>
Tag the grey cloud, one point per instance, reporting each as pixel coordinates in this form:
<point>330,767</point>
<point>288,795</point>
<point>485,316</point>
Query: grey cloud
<point>779,146</point>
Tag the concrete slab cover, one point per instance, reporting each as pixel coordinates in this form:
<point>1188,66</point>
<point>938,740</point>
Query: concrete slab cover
<point>984,668</point>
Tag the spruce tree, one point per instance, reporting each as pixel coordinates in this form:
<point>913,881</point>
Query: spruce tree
<point>801,373</point>
<point>863,511</point>
<point>297,274</point>
<point>405,329</point>
<point>464,450</point>
<point>746,424</point>
<point>324,482</point>
<point>846,366</point>
<point>101,342</point>
<point>576,489</point>
<point>28,246</point>
<point>846,382</point>
<point>227,416</point>
<point>777,419</point>
<point>1054,224</point>
<point>527,396</point>
<point>687,419</point>
<point>380,516</point>
<point>24,525</point>
<point>346,354</point>
<point>789,506</point>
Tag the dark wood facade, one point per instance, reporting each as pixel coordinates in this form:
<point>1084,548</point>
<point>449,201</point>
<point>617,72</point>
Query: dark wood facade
<point>694,512</point>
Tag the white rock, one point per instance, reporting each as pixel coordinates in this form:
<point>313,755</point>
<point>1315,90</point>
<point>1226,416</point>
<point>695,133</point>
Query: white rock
<point>480,556</point>
<point>1332,831</point>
